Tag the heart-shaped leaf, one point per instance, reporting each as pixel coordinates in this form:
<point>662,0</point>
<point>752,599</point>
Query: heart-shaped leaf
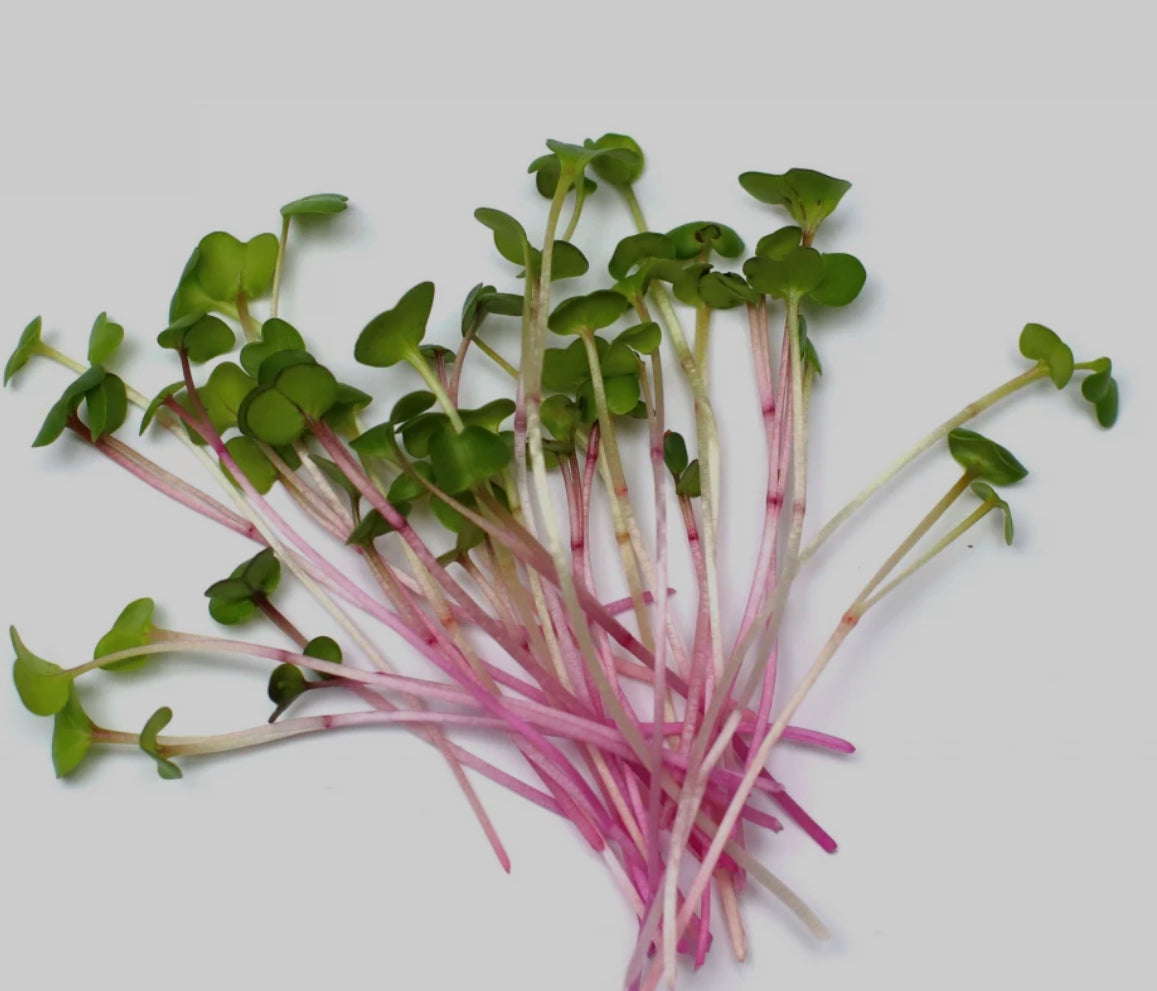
<point>43,686</point>
<point>310,387</point>
<point>807,195</point>
<point>490,415</point>
<point>148,743</point>
<point>638,248</point>
<point>585,314</point>
<point>262,572</point>
<point>984,459</point>
<point>279,361</point>
<point>418,432</point>
<point>796,274</point>
<point>230,601</point>
<point>690,482</point>
<point>1038,343</point>
<point>567,262</point>
<point>565,369</point>
<point>377,442</point>
<point>276,335</point>
<point>104,340</point>
<point>621,162</point>
<point>26,347</point>
<point>133,628</point>
<point>509,235</point>
<point>779,244</point>
<point>461,461</point>
<point>256,467</point>
<point>691,239</point>
<point>483,300</point>
<point>644,338</point>
<point>843,278</point>
<point>72,734</point>
<point>200,336</point>
<point>227,268</point>
<point>989,495</point>
<point>271,417</point>
<point>223,394</point>
<point>107,405</point>
<point>190,299</point>
<point>394,335</point>
<point>317,205</point>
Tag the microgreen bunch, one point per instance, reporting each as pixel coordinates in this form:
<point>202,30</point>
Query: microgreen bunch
<point>644,729</point>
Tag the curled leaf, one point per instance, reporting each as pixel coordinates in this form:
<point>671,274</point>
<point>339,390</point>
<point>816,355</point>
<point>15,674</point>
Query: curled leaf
<point>691,240</point>
<point>317,205</point>
<point>26,347</point>
<point>984,459</point>
<point>1038,343</point>
<point>148,743</point>
<point>986,493</point>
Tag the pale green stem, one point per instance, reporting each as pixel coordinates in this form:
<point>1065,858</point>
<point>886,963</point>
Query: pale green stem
<point>418,360</point>
<point>276,294</point>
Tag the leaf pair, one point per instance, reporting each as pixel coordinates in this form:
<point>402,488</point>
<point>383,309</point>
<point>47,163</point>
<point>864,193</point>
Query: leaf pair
<point>234,599</point>
<point>223,269</point>
<point>483,300</point>
<point>287,682</point>
<point>567,262</point>
<point>106,405</point>
<point>684,472</point>
<point>785,271</point>
<point>1100,389</point>
<point>292,389</point>
<point>809,196</point>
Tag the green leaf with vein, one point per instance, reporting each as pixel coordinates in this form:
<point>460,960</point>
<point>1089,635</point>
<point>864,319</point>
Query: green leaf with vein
<point>984,459</point>
<point>133,628</point>
<point>104,339</point>
<point>395,334</point>
<point>809,196</point>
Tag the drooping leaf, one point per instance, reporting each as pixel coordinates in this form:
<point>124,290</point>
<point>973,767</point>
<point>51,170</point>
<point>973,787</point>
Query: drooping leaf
<point>317,205</point>
<point>638,248</point>
<point>725,290</point>
<point>104,339</point>
<point>394,335</point>
<point>148,743</point>
<point>843,278</point>
<point>1106,406</point>
<point>158,400</point>
<point>547,170</point>
<point>107,405</point>
<point>57,419</point>
<point>25,348</point>
<point>43,686</point>
<point>482,300</point>
<point>808,196</point>
<point>1038,343</point>
<point>72,734</point>
<point>984,459</point>
<point>133,628</point>
<point>509,235</point>
<point>691,239</point>
<point>988,494</point>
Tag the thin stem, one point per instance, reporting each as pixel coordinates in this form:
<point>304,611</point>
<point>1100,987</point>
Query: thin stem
<point>276,294</point>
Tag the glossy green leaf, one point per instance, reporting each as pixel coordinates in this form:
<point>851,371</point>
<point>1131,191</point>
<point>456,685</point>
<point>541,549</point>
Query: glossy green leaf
<point>273,365</point>
<point>418,432</point>
<point>565,369</point>
<point>566,262</point>
<point>411,405</point>
<point>725,290</point>
<point>227,268</point>
<point>107,406</point>
<point>189,299</point>
<point>621,162</point>
<point>257,468</point>
<point>461,461</point>
<point>779,244</point>
<point>807,195</point>
<point>1096,386</point>
<point>224,393</point>
<point>984,459</point>
<point>230,601</point>
<point>276,335</point>
<point>202,337</point>
<point>57,419</point>
<point>158,400</point>
<point>547,170</point>
<point>622,393</point>
<point>1106,406</point>
<point>104,340</point>
<point>483,300</point>
<point>675,453</point>
<point>635,249</point>
<point>25,348</point>
<point>988,494</point>
<point>270,417</point>
<point>1038,343</point>
<point>560,416</point>
<point>286,683</point>
<point>148,743</point>
<point>583,314</point>
<point>348,403</point>
<point>409,488</point>
<point>310,387</point>
<point>394,335</point>
<point>618,359</point>
<point>690,483</point>
<point>685,285</point>
<point>644,338</point>
<point>490,415</point>
<point>323,649</point>
<point>374,525</point>
<point>691,239</point>
<point>843,278</point>
<point>72,733</point>
<point>796,274</point>
<point>317,205</point>
<point>455,522</point>
<point>133,628</point>
<point>509,235</point>
<point>43,686</point>
<point>377,442</point>
<point>262,572</point>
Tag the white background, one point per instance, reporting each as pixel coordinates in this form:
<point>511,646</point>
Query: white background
<point>995,823</point>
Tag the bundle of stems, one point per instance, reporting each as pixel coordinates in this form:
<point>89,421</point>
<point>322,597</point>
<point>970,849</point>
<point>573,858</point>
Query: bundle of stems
<point>650,736</point>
